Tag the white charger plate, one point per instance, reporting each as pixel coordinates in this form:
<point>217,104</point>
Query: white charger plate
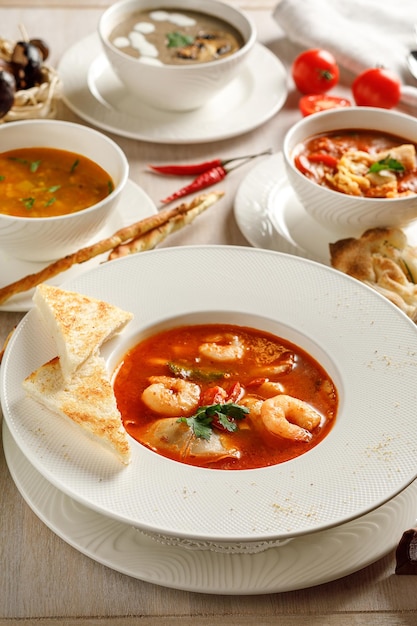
<point>134,205</point>
<point>301,563</point>
<point>92,90</point>
<point>270,215</point>
<point>368,346</point>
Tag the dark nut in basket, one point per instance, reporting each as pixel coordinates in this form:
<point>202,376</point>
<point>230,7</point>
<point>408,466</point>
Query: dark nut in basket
<point>42,47</point>
<point>7,91</point>
<point>27,63</point>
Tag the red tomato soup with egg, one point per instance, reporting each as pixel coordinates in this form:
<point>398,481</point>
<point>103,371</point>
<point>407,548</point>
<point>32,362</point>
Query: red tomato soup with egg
<point>224,396</point>
<point>363,163</point>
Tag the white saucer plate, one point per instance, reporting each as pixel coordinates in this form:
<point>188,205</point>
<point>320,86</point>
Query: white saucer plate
<point>270,215</point>
<point>92,90</point>
<point>303,562</point>
<point>367,345</point>
<point>134,205</point>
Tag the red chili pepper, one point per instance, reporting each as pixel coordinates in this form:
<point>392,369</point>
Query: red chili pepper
<point>301,163</point>
<point>213,395</point>
<point>235,393</point>
<point>206,179</point>
<point>185,170</point>
<point>323,157</point>
<point>199,168</point>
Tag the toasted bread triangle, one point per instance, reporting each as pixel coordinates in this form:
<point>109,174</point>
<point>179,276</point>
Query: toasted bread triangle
<point>78,323</point>
<point>87,399</point>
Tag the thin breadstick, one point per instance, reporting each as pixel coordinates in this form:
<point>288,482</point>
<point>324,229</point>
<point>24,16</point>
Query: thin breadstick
<point>153,237</point>
<point>104,245</point>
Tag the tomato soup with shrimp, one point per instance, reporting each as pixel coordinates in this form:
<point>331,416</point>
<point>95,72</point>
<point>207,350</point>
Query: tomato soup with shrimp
<point>224,396</point>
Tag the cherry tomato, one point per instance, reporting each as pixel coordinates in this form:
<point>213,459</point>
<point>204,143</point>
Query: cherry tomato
<point>321,102</point>
<point>315,71</point>
<point>376,87</point>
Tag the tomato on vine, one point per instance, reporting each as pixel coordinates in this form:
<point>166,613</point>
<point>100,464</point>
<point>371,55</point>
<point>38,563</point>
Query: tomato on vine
<point>315,71</point>
<point>376,87</point>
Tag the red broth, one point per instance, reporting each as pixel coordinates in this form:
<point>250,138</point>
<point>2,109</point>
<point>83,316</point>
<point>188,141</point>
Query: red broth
<point>316,157</point>
<point>176,353</point>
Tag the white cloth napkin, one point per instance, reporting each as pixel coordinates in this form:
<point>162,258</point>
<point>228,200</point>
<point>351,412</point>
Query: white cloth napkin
<point>359,33</point>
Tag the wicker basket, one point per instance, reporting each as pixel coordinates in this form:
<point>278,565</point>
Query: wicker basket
<point>36,102</point>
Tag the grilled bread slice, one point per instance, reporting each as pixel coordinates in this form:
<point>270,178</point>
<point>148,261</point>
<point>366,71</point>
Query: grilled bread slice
<point>87,399</point>
<point>383,259</point>
<point>78,323</point>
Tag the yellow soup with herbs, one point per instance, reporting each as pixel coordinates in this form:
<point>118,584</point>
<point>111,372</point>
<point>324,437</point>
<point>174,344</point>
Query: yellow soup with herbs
<point>47,182</point>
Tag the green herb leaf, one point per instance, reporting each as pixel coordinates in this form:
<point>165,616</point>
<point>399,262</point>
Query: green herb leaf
<point>2,178</point>
<point>178,40</point>
<point>18,160</point>
<point>235,411</point>
<point>50,202</point>
<point>110,187</point>
<point>34,166</point>
<point>74,166</point>
<point>183,371</point>
<point>54,188</point>
<point>226,423</point>
<point>28,202</point>
<point>201,426</point>
<point>202,422</point>
<point>387,164</point>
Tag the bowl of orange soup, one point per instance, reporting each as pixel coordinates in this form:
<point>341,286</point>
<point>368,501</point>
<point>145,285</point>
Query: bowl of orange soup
<point>59,184</point>
<point>176,54</point>
<point>355,169</point>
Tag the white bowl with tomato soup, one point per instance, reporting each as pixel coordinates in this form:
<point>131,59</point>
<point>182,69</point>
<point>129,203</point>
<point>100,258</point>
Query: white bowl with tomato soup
<point>354,169</point>
<point>59,184</point>
<point>176,55</point>
<point>365,460</point>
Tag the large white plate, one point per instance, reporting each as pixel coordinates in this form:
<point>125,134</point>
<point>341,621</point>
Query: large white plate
<point>270,215</point>
<point>301,563</point>
<point>368,346</point>
<point>134,205</point>
<point>93,91</point>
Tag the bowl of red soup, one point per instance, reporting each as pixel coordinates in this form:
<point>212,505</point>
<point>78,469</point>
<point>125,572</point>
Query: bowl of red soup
<point>355,169</point>
<point>59,184</point>
<point>224,394</point>
<point>176,54</point>
<point>265,397</point>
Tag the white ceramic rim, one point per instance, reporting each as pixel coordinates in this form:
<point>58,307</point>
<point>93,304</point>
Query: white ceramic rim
<point>369,113</point>
<point>366,343</point>
<point>134,204</point>
<point>264,78</point>
<point>302,563</point>
<point>118,187</point>
<point>124,7</point>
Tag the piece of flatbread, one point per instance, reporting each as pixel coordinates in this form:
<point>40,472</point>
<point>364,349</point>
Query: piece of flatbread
<point>79,324</point>
<point>87,399</point>
<point>382,259</point>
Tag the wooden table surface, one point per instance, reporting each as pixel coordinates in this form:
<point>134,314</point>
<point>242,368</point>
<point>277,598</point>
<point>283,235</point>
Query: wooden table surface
<point>45,581</point>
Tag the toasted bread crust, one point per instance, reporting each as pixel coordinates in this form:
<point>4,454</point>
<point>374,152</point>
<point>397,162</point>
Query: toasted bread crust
<point>382,259</point>
<point>79,324</point>
<point>87,399</point>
